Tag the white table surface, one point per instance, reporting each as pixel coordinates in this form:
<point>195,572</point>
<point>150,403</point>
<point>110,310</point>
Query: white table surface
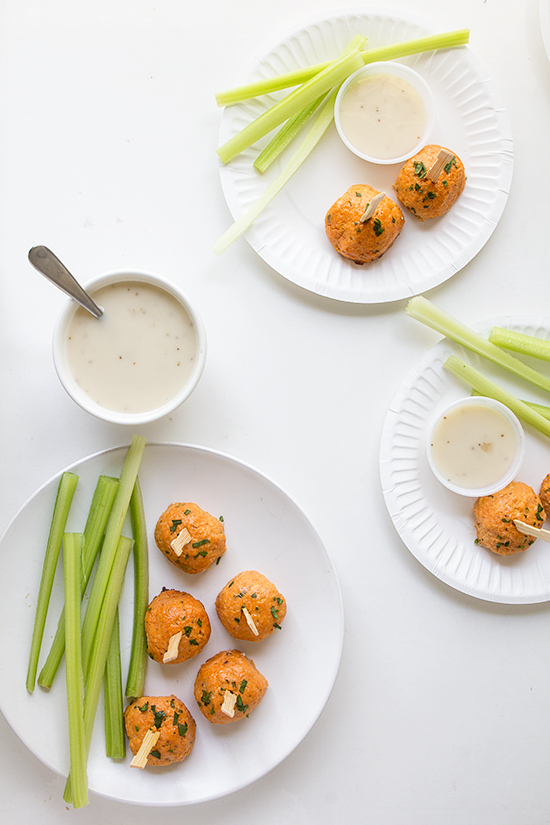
<point>441,709</point>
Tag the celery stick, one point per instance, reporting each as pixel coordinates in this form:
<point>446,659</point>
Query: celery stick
<point>539,408</point>
<point>334,74</point>
<point>63,501</point>
<point>477,381</point>
<point>423,310</point>
<point>520,342</point>
<point>294,124</point>
<point>75,683</point>
<point>393,51</point>
<point>285,135</point>
<point>115,742</point>
<point>100,508</point>
<point>138,656</point>
<point>102,640</point>
<point>321,124</point>
<point>112,534</point>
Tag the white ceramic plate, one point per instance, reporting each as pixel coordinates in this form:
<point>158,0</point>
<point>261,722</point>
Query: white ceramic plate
<point>266,531</point>
<point>290,236</point>
<point>437,525</point>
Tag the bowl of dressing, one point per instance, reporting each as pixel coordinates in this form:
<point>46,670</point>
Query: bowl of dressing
<point>141,359</point>
<point>384,112</point>
<point>475,446</point>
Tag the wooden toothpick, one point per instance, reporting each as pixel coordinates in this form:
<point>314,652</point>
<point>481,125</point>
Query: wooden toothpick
<point>443,157</point>
<point>149,741</point>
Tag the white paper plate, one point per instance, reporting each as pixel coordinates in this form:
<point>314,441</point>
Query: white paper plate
<point>266,531</point>
<point>290,236</point>
<point>437,525</point>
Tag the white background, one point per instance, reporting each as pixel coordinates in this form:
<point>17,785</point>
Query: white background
<point>441,710</point>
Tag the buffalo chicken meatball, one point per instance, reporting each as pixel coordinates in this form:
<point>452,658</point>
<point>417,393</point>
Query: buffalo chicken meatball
<point>494,518</point>
<point>426,197</point>
<point>190,537</point>
<point>176,626</point>
<point>544,494</point>
<point>250,607</point>
<point>228,687</point>
<point>166,722</point>
<point>356,238</point>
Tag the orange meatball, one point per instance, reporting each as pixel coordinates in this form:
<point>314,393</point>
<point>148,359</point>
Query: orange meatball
<point>494,518</point>
<point>190,537</point>
<point>361,240</point>
<point>544,493</point>
<point>250,607</point>
<point>178,616</point>
<point>166,715</point>
<point>228,687</point>
<point>422,196</point>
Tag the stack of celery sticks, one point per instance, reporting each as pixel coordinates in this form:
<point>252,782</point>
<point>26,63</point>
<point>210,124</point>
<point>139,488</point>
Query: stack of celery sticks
<point>314,93</point>
<point>494,349</point>
<point>92,648</point>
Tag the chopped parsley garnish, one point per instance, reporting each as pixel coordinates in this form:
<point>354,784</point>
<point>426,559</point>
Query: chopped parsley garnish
<point>200,543</point>
<point>242,686</point>
<point>419,169</point>
<point>155,753</point>
<point>240,704</point>
<point>175,522</point>
<point>448,166</point>
<point>183,728</point>
<point>144,707</point>
<point>160,716</point>
<point>205,697</point>
<point>377,225</point>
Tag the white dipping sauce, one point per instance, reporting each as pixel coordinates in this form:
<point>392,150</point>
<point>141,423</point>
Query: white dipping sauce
<point>382,116</point>
<point>473,446</point>
<point>139,354</point>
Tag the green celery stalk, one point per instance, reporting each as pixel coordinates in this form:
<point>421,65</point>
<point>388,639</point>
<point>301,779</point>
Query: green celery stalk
<point>294,124</point>
<point>100,508</point>
<point>63,501</point>
<point>477,381</point>
<point>115,742</point>
<point>138,656</point>
<point>102,641</point>
<point>334,74</point>
<point>75,683</point>
<point>521,343</point>
<point>541,409</point>
<point>393,51</point>
<point>321,124</point>
<point>285,135</point>
<point>112,534</point>
<point>423,310</point>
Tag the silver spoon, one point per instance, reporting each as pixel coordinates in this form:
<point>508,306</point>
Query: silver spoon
<point>51,267</point>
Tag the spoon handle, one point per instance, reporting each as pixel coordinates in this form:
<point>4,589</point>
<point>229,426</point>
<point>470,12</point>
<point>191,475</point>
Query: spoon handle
<point>51,267</point>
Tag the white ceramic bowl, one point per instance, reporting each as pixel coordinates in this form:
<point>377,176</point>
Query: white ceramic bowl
<point>82,398</point>
<point>519,438</point>
<point>402,72</point>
